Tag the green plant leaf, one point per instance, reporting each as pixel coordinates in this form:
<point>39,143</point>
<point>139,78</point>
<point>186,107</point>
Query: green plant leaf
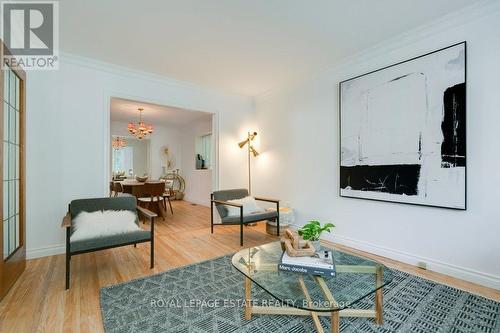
<point>313,229</point>
<point>327,227</point>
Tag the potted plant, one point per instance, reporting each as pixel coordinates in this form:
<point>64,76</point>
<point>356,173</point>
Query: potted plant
<point>312,231</point>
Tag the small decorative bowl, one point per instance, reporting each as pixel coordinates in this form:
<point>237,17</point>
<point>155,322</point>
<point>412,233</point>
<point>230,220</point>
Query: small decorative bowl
<point>141,179</point>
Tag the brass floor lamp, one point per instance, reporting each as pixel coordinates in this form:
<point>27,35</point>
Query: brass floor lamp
<point>251,151</point>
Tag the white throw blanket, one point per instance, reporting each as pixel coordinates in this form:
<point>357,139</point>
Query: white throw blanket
<point>91,225</point>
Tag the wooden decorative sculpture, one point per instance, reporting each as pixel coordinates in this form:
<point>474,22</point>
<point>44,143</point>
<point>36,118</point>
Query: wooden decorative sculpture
<point>295,246</point>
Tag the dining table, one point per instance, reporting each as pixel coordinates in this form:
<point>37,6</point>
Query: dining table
<point>128,185</point>
<point>133,187</point>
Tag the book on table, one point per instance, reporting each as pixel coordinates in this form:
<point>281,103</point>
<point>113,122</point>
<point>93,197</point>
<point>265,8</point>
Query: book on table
<point>322,265</point>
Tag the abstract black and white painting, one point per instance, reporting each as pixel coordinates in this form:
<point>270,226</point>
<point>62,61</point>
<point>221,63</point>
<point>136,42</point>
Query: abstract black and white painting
<point>402,131</point>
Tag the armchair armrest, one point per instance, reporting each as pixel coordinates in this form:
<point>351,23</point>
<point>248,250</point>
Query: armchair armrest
<point>267,199</point>
<point>66,221</point>
<point>234,204</point>
<point>147,213</point>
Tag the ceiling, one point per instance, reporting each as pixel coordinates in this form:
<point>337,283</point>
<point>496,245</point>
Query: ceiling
<point>241,46</point>
<point>126,110</point>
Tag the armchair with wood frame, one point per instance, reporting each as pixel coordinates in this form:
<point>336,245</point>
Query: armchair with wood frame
<point>220,200</point>
<point>106,242</point>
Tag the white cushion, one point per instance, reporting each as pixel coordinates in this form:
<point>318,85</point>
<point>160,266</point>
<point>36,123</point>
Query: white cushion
<point>91,225</point>
<point>249,207</point>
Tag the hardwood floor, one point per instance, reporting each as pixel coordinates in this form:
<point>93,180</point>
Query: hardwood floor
<point>38,301</point>
<point>433,276</point>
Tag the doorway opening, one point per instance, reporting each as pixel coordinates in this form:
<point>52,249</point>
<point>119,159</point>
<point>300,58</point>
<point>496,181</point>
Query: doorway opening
<point>160,142</point>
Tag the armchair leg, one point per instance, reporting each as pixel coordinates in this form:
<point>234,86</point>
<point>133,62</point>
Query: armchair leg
<point>241,226</point>
<point>152,259</point>
<point>152,244</point>
<point>278,218</point>
<point>68,258</point>
<point>241,234</point>
<point>211,214</point>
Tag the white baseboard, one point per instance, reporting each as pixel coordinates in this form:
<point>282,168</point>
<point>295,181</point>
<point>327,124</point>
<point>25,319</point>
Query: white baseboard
<point>198,202</point>
<point>45,251</point>
<point>463,273</point>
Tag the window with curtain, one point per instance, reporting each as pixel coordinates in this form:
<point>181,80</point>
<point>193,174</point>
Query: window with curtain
<point>123,159</point>
<point>203,151</point>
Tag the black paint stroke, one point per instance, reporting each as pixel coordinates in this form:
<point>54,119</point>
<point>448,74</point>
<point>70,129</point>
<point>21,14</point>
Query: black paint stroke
<point>453,127</point>
<point>420,146</point>
<point>395,179</point>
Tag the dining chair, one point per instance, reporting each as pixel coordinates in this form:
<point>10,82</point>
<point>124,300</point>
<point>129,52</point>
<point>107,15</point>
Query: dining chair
<point>117,189</point>
<point>152,193</point>
<point>168,193</point>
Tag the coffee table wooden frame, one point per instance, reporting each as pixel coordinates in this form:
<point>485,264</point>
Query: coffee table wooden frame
<point>376,313</point>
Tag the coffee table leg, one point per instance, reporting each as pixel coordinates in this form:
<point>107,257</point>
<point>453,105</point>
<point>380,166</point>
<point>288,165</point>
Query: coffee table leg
<point>314,315</point>
<point>335,322</point>
<point>248,296</point>
<point>379,317</point>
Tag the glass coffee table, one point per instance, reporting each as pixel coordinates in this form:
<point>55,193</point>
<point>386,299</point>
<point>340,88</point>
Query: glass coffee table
<point>310,295</point>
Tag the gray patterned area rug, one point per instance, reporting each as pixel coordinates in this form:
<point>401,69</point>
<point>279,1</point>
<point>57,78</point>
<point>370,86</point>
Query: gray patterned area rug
<point>208,297</point>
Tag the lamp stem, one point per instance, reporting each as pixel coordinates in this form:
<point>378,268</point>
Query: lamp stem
<point>249,176</point>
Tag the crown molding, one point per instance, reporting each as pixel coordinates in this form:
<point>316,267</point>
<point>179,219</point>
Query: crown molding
<point>102,66</point>
<point>467,15</point>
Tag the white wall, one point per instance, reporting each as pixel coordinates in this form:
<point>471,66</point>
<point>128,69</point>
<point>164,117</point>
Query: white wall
<point>163,136</point>
<point>181,144</point>
<point>141,156</point>
<point>67,127</point>
<point>300,148</point>
<point>198,182</point>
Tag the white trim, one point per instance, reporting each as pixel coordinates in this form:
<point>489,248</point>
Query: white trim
<point>108,94</point>
<point>469,14</point>
<point>196,202</point>
<point>141,75</point>
<point>107,142</point>
<point>215,157</point>
<point>45,251</point>
<point>463,273</point>
<point>459,272</point>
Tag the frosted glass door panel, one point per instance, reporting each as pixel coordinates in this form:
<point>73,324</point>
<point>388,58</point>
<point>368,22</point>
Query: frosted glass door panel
<point>11,163</point>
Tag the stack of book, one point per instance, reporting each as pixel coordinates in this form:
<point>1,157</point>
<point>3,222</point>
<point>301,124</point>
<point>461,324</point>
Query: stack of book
<point>322,264</point>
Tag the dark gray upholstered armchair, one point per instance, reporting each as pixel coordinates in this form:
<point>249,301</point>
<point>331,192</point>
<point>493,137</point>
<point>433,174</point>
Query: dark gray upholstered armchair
<point>219,199</point>
<point>102,243</point>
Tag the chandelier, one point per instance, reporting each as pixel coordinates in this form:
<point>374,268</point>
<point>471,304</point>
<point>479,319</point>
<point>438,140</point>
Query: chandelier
<point>140,129</point>
<point>118,143</point>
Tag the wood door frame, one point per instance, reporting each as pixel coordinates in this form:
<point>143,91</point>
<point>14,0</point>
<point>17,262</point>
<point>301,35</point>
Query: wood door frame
<point>12,267</point>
